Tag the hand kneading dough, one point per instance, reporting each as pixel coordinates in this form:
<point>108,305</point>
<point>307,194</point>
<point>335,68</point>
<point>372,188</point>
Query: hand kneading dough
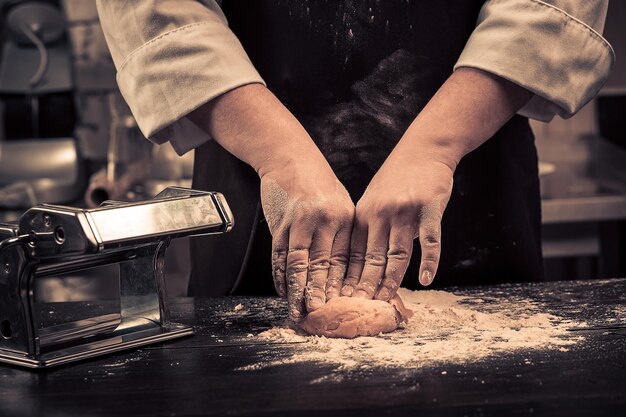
<point>350,317</point>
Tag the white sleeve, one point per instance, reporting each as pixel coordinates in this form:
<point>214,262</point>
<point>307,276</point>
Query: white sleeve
<point>554,48</point>
<point>173,56</point>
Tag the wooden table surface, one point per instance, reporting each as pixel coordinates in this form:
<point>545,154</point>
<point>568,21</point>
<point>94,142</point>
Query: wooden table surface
<point>200,375</point>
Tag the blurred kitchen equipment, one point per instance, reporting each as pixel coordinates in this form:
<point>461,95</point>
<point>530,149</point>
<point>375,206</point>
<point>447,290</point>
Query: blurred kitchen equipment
<point>135,166</point>
<point>128,157</point>
<point>34,171</point>
<point>168,168</point>
<point>39,161</point>
<point>50,240</point>
<point>37,24</point>
<point>35,73</point>
<point>545,170</point>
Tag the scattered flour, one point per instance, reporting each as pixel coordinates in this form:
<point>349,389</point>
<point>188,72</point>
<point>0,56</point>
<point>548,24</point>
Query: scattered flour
<point>445,328</point>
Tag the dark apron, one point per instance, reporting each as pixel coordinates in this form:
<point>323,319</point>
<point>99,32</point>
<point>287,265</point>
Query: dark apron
<point>356,73</point>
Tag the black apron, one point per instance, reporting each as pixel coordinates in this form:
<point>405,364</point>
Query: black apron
<point>356,74</point>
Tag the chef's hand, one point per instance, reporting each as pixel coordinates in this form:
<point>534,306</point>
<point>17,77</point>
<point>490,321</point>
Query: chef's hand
<point>308,211</point>
<point>408,195</point>
<point>405,199</point>
<point>309,214</point>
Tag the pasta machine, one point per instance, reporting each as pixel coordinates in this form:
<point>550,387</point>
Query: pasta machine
<point>49,240</point>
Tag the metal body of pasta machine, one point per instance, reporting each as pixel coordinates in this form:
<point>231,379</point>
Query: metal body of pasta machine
<point>50,240</point>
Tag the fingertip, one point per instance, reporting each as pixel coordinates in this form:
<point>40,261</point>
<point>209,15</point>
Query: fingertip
<point>295,314</point>
<point>426,278</point>
<point>383,294</point>
<point>314,303</point>
<point>332,293</point>
<point>281,289</point>
<point>360,294</point>
<point>347,290</point>
<point>282,292</point>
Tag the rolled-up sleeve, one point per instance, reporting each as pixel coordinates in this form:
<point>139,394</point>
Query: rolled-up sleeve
<point>552,48</point>
<point>173,56</point>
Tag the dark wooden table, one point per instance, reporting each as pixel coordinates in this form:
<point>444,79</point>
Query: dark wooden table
<point>198,375</point>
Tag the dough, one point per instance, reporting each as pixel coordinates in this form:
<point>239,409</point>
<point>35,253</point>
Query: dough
<point>349,317</point>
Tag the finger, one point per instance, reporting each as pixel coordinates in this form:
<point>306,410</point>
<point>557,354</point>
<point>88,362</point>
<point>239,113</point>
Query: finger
<point>280,245</point>
<point>358,246</point>
<point>319,265</point>
<point>430,242</point>
<point>338,261</point>
<point>300,237</point>
<point>375,261</point>
<point>398,257</point>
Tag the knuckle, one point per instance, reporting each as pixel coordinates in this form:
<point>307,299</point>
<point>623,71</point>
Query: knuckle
<point>380,209</point>
<point>319,258</point>
<point>339,259</point>
<point>430,257</point>
<point>325,215</point>
<point>375,259</point>
<point>430,240</point>
<point>346,214</point>
<point>431,246</point>
<point>399,253</point>
<point>357,257</point>
<point>431,211</point>
<point>319,254</point>
<point>293,271</point>
<point>305,216</point>
<point>392,208</point>
<point>297,250</point>
<point>297,264</point>
<point>279,255</point>
<point>319,265</point>
<point>405,205</point>
<point>297,254</point>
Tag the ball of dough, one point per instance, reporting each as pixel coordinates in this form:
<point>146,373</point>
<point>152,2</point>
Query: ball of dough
<point>349,317</point>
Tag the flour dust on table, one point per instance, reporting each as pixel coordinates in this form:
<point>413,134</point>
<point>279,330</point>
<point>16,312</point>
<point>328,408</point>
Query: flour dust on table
<point>444,329</point>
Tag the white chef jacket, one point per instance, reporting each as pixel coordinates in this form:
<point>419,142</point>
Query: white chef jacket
<point>173,56</point>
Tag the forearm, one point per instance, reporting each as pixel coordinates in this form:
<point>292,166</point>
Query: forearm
<point>253,125</point>
<point>467,110</point>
